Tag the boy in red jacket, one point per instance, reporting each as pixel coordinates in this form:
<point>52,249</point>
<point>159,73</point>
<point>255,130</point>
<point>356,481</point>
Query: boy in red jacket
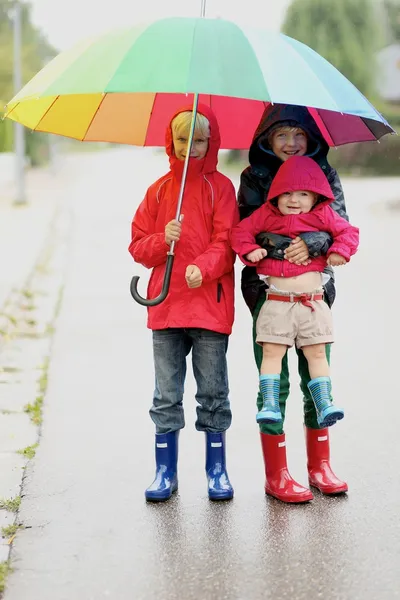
<point>295,312</point>
<point>198,312</point>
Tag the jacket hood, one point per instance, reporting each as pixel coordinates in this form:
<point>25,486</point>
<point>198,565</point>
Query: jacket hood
<point>209,163</point>
<point>261,157</point>
<point>300,173</point>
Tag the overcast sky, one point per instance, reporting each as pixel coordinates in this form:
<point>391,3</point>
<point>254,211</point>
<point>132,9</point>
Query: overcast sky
<point>68,21</point>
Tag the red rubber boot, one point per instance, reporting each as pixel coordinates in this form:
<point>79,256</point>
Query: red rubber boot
<point>278,481</point>
<point>320,474</point>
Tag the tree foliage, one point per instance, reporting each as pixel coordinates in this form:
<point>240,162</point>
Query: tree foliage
<point>345,32</point>
<point>35,52</point>
<point>392,9</point>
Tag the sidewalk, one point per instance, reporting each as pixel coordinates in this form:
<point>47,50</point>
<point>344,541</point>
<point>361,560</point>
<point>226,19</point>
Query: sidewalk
<point>24,228</point>
<point>33,251</point>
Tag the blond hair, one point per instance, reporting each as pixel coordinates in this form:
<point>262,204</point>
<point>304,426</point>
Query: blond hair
<point>284,128</point>
<point>181,125</point>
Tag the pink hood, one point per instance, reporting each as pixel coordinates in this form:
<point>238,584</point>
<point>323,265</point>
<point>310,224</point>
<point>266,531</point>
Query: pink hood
<point>300,173</point>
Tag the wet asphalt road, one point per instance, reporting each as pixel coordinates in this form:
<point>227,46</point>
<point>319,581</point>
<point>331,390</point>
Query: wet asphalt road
<point>92,536</point>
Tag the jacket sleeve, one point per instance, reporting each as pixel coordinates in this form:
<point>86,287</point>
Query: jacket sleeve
<point>219,257</point>
<point>250,195</point>
<point>243,236</point>
<point>339,204</point>
<point>345,236</point>
<point>317,242</point>
<point>274,244</point>
<point>147,246</point>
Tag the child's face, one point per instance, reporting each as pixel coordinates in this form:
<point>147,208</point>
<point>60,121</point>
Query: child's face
<point>295,203</point>
<point>199,145</point>
<point>289,141</point>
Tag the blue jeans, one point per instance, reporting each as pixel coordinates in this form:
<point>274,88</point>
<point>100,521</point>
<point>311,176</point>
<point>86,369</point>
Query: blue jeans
<point>170,348</point>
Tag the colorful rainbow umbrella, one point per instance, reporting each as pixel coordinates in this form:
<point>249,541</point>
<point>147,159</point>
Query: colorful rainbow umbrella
<point>122,87</point>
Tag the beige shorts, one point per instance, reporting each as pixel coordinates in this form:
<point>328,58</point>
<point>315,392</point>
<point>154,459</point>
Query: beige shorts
<point>290,322</point>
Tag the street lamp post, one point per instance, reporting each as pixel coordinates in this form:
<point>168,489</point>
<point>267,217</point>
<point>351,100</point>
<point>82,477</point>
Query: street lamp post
<point>19,136</point>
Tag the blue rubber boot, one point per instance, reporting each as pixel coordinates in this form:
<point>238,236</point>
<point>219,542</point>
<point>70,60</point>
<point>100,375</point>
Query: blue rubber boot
<point>270,412</point>
<point>219,486</point>
<point>166,479</point>
<point>327,413</point>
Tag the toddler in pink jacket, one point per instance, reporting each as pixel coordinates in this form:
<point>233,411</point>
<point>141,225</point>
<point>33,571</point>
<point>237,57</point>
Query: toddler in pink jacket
<point>295,311</point>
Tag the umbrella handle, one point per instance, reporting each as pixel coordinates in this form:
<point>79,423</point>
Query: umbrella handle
<point>164,290</point>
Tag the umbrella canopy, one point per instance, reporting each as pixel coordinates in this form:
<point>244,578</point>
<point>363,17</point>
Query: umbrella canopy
<point>122,87</point>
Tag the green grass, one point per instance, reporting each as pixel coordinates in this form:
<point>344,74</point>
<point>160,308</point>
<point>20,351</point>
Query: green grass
<point>29,307</point>
<point>4,570</point>
<point>31,322</point>
<point>10,504</point>
<point>35,410</point>
<point>10,530</point>
<point>9,318</point>
<point>28,452</point>
<point>27,293</point>
<point>10,370</point>
<point>43,379</point>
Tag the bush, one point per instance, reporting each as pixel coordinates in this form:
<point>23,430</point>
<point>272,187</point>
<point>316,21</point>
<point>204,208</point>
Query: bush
<point>368,158</point>
<point>36,144</point>
<point>6,133</point>
<point>37,148</point>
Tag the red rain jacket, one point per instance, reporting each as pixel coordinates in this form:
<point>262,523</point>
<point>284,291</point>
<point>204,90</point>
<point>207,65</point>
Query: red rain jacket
<point>296,173</point>
<point>210,211</point>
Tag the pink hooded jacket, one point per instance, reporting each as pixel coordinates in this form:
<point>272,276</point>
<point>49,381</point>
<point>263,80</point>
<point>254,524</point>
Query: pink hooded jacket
<point>297,173</point>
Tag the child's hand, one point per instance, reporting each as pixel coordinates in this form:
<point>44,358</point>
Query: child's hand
<point>193,276</point>
<point>335,260</point>
<point>297,252</point>
<point>256,255</point>
<point>173,231</point>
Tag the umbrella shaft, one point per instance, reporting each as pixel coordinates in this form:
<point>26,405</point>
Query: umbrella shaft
<point>203,8</point>
<point>185,166</point>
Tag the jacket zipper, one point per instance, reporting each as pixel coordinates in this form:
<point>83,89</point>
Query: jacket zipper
<point>219,291</point>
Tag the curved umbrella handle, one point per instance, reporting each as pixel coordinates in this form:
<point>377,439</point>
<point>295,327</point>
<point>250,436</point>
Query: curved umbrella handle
<point>164,290</point>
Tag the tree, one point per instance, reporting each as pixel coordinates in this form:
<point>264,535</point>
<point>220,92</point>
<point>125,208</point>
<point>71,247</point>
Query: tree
<point>345,32</point>
<point>36,51</point>
<point>392,9</point>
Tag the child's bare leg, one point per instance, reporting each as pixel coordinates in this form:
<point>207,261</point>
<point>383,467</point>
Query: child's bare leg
<point>316,357</point>
<point>272,358</point>
<point>270,374</point>
<point>320,385</point>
